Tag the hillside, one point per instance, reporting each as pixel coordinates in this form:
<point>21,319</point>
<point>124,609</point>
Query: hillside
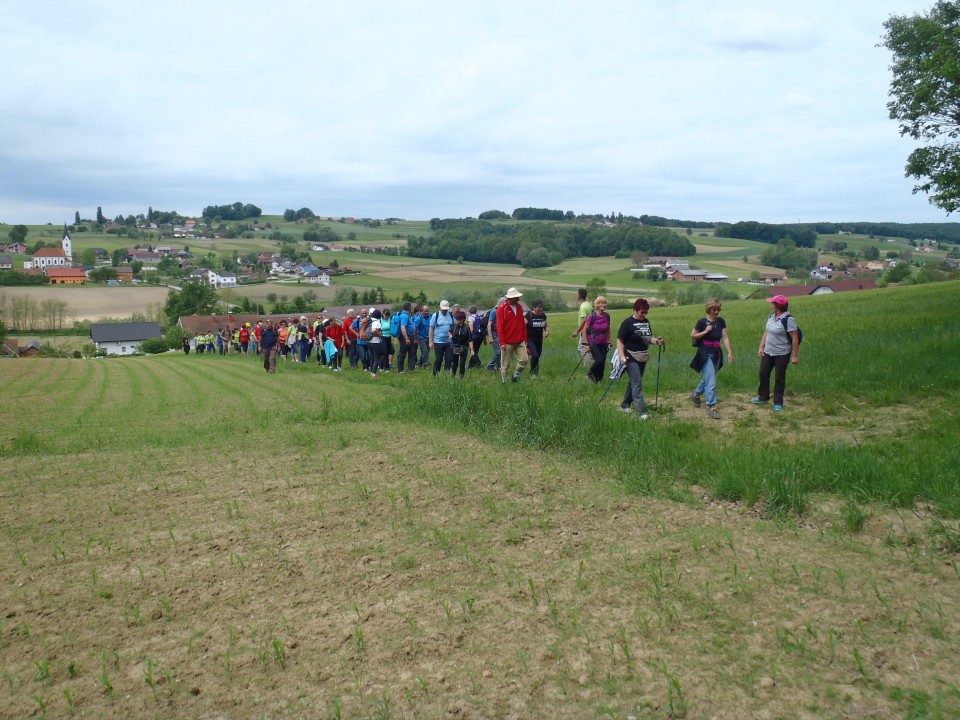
<point>187,536</point>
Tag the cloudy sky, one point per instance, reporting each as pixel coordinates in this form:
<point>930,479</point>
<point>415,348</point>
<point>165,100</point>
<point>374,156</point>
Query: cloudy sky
<point>693,109</point>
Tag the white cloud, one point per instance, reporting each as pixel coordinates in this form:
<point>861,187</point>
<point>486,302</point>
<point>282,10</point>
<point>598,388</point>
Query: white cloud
<point>431,107</point>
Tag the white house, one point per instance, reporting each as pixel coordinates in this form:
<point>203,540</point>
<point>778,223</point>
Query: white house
<point>317,276</point>
<point>212,277</point>
<point>123,338</point>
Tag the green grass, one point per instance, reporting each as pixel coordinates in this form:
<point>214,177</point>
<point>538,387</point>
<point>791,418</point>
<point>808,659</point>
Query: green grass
<point>178,530</point>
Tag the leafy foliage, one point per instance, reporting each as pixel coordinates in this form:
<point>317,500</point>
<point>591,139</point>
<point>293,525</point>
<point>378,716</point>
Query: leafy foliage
<point>18,233</point>
<point>801,235</point>
<point>236,211</point>
<point>154,346</point>
<point>483,241</point>
<point>194,298</point>
<point>925,97</point>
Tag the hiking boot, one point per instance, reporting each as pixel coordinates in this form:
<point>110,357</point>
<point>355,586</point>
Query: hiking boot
<point>643,416</point>
<point>713,414</point>
<point>758,400</point>
<point>516,377</point>
<point>778,406</point>
<point>696,399</point>
<point>626,409</point>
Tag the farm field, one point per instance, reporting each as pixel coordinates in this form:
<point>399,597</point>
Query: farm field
<point>186,536</point>
<point>95,302</point>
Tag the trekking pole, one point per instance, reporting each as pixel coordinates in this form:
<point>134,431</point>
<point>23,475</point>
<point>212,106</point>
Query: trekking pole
<point>576,368</point>
<point>656,402</point>
<point>609,385</point>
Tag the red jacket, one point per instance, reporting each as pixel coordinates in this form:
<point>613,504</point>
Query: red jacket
<point>511,324</point>
<point>335,333</point>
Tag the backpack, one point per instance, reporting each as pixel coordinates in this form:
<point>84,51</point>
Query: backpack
<point>783,319</point>
<point>478,332</point>
<point>366,330</point>
<point>395,324</point>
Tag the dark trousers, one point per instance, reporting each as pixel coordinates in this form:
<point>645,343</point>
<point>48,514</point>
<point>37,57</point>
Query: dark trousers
<point>599,353</point>
<point>407,350</point>
<point>378,357</point>
<point>778,365</point>
<point>475,346</point>
<point>459,361</point>
<point>424,344</point>
<point>444,356</point>
<point>534,350</point>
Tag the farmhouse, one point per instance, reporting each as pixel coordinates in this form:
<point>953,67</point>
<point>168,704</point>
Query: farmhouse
<point>212,277</point>
<point>317,276</point>
<point>818,288</point>
<point>124,274</point>
<point>684,273</point>
<point>6,262</point>
<point>773,277</point>
<point>145,256</point>
<point>123,338</point>
<point>67,276</point>
<point>11,347</point>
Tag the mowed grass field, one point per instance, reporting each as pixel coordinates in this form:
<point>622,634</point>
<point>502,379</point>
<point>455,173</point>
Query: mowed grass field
<point>190,537</point>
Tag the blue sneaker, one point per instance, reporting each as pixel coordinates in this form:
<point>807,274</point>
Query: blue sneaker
<point>778,407</point>
<point>757,401</point>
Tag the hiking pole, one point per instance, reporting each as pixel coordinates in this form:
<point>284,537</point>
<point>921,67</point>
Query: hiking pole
<point>609,385</point>
<point>576,368</point>
<point>656,402</point>
<point>616,370</point>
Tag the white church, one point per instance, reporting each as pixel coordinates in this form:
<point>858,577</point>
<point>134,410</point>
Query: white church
<point>53,257</point>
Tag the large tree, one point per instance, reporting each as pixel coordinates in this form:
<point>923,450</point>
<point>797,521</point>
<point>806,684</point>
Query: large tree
<point>195,298</point>
<point>18,233</point>
<point>925,97</point>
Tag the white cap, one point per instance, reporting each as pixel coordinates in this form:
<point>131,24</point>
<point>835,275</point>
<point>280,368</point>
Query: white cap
<point>444,305</point>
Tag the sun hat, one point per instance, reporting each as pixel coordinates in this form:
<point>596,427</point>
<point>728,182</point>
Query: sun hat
<point>444,305</point>
<point>514,293</point>
<point>371,311</point>
<point>779,300</point>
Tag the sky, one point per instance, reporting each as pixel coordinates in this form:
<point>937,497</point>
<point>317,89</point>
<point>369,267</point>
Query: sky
<point>693,109</point>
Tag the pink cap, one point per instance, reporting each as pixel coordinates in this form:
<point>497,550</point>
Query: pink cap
<point>779,300</point>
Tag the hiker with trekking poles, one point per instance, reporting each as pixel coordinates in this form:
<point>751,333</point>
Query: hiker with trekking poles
<point>633,342</point>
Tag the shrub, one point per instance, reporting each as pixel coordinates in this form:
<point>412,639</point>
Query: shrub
<point>154,346</point>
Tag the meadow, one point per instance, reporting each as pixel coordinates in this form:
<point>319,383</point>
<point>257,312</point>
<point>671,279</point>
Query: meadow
<point>186,536</point>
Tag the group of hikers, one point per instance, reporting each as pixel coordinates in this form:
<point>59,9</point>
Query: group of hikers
<point>379,341</point>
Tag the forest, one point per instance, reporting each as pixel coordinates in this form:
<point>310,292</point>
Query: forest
<point>541,244</point>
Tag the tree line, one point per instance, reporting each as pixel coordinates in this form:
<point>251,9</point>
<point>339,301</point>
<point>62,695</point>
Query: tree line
<point>24,314</point>
<point>801,235</point>
<point>541,244</point>
<point>235,211</point>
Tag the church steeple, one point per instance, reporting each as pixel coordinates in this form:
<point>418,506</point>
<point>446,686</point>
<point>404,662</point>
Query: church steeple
<point>67,244</point>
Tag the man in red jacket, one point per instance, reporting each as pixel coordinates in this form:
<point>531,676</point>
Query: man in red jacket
<point>512,332</point>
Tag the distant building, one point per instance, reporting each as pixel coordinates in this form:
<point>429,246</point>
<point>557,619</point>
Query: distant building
<point>52,257</point>
<point>67,276</point>
<point>123,338</point>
